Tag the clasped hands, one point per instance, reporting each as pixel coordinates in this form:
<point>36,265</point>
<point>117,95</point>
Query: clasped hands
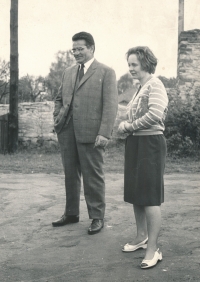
<point>125,127</point>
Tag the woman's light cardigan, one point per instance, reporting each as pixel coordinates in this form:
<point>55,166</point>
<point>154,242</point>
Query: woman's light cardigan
<point>148,108</point>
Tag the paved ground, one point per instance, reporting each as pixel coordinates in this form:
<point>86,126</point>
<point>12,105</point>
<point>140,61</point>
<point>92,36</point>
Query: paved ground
<point>32,250</point>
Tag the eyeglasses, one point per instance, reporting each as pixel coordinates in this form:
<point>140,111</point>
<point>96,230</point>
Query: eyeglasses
<point>79,49</point>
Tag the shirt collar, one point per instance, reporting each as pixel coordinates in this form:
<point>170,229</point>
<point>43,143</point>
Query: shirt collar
<point>88,64</point>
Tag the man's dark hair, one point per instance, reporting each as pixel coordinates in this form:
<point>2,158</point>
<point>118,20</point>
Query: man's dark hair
<point>85,36</point>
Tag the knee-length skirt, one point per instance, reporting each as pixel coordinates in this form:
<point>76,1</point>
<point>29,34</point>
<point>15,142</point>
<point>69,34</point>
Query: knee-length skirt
<point>144,169</point>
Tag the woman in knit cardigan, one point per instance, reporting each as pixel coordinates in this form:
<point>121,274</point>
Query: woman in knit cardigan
<point>145,153</point>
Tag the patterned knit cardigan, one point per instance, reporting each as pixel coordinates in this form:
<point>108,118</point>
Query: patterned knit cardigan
<point>148,108</point>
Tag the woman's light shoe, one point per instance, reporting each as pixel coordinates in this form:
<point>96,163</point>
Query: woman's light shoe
<point>152,262</point>
<point>132,248</point>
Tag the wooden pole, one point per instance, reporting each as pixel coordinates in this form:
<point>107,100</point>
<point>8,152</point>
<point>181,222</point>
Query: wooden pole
<point>181,17</point>
<point>14,76</point>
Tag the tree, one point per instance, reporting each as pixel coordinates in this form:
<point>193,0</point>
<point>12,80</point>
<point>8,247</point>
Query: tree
<point>30,88</point>
<point>4,79</point>
<point>168,82</point>
<point>53,80</point>
<point>124,83</point>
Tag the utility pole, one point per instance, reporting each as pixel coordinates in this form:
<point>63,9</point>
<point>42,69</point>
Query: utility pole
<point>14,77</point>
<point>181,17</point>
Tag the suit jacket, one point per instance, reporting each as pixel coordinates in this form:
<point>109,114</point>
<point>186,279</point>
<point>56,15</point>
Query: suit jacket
<point>95,102</point>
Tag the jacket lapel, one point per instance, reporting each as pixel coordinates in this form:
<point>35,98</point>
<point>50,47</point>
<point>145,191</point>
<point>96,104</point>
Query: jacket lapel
<point>89,73</point>
<point>74,75</point>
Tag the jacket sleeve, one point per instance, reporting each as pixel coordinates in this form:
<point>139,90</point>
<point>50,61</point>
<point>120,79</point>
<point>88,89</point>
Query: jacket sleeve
<point>110,103</point>
<point>58,101</point>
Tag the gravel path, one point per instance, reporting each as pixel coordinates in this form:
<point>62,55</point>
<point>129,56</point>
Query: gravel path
<point>32,250</point>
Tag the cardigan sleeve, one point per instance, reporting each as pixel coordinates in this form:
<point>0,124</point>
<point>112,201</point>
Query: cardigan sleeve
<point>153,105</point>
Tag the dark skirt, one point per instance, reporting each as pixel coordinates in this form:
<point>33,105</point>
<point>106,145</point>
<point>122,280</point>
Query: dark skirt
<point>144,168</point>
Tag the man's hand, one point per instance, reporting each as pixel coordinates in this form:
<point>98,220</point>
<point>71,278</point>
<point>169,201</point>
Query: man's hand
<point>55,119</point>
<point>101,141</point>
<point>125,127</point>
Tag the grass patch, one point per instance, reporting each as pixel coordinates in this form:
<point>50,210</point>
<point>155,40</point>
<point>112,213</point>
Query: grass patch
<point>40,161</point>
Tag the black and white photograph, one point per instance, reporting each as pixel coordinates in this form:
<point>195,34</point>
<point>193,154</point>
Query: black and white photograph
<point>99,141</point>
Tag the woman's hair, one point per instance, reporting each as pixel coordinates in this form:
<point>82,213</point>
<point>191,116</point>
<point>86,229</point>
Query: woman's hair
<point>145,56</point>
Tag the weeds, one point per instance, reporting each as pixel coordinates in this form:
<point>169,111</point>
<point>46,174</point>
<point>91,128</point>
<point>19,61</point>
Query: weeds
<point>49,161</point>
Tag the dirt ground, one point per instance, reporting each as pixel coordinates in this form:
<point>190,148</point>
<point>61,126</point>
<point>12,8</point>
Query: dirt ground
<point>32,250</point>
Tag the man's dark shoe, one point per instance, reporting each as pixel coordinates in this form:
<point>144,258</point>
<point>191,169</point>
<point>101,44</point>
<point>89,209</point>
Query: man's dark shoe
<point>96,226</point>
<point>66,219</point>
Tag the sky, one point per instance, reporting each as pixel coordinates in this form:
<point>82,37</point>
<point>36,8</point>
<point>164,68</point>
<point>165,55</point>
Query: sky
<point>47,26</point>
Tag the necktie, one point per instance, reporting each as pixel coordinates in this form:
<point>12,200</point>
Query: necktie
<point>81,72</point>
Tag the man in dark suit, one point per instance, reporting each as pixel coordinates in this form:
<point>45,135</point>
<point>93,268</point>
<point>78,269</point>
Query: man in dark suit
<point>84,115</point>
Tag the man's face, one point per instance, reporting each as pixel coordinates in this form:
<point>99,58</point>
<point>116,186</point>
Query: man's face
<point>82,53</point>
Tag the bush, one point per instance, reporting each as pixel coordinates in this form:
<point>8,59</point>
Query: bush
<point>183,124</point>
<point>180,146</point>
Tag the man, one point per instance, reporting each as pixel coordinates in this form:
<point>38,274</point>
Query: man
<point>85,111</point>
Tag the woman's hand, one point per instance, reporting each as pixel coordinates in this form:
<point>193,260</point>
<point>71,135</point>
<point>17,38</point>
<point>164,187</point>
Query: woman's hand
<point>125,127</point>
<point>128,126</point>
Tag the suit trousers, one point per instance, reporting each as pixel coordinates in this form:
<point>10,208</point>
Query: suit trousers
<point>82,159</point>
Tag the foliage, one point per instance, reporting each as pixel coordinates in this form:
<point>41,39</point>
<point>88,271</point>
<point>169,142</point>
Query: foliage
<point>183,124</point>
<point>44,160</point>
<point>168,82</point>
<point>53,80</point>
<point>124,83</point>
<point>4,80</point>
<point>30,88</point>
<point>36,89</point>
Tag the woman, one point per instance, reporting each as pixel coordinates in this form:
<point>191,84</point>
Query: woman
<point>145,153</point>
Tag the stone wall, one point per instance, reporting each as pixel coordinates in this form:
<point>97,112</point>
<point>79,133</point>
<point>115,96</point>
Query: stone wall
<point>188,70</point>
<point>36,123</point>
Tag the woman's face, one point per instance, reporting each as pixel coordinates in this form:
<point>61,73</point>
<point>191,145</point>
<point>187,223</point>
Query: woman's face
<point>135,67</point>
